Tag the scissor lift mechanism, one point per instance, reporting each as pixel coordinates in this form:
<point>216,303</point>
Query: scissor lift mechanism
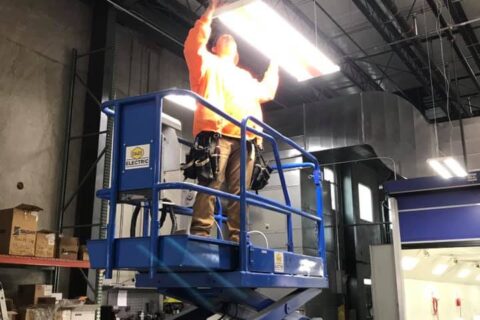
<point>209,273</point>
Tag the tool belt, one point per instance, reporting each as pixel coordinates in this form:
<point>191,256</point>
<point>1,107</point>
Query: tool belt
<point>202,162</point>
<point>261,170</point>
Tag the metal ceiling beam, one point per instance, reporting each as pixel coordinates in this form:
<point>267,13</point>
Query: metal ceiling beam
<point>386,19</point>
<point>459,53</point>
<point>349,68</point>
<point>382,71</point>
<point>468,35</point>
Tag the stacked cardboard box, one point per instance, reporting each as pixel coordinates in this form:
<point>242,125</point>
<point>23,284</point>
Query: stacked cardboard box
<point>65,310</point>
<point>45,244</point>
<point>68,247</point>
<point>18,227</point>
<point>19,236</point>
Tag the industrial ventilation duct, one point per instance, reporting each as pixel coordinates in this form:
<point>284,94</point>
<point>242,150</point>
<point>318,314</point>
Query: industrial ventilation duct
<point>389,126</point>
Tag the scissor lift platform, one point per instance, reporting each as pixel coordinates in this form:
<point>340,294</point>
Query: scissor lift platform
<point>192,261</point>
<point>211,273</point>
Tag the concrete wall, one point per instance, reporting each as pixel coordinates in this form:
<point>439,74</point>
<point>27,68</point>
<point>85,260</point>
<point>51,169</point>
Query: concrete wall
<point>36,38</point>
<point>141,66</point>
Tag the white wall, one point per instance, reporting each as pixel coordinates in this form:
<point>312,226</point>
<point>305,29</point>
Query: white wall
<point>418,300</point>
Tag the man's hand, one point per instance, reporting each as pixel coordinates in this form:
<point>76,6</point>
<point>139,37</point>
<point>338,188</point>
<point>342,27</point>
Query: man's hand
<point>214,4</point>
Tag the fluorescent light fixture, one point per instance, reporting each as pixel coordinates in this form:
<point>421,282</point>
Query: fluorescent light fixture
<point>455,167</point>
<point>367,282</point>
<point>447,167</point>
<point>184,101</point>
<point>463,273</point>
<point>267,31</point>
<point>409,263</point>
<point>439,168</point>
<point>440,269</point>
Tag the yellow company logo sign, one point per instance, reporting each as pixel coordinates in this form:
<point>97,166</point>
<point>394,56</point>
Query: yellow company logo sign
<point>137,153</point>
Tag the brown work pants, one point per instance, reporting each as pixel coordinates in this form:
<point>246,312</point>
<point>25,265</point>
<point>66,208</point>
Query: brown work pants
<point>229,173</point>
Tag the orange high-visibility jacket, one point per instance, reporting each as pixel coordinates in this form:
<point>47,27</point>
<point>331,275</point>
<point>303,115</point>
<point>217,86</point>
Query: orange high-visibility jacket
<point>223,84</point>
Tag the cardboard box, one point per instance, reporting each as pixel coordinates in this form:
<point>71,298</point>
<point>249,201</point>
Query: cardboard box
<point>17,230</point>
<point>57,295</point>
<point>39,313</point>
<point>68,247</point>
<point>63,314</point>
<point>28,294</point>
<point>83,253</point>
<point>78,312</point>
<point>45,244</point>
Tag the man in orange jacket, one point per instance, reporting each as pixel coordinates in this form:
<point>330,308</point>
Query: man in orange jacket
<point>216,77</point>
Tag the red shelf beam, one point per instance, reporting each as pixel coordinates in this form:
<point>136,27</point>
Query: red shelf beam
<point>43,262</point>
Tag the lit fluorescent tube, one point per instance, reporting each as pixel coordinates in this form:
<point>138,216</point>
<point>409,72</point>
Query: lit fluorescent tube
<point>463,273</point>
<point>439,168</point>
<point>440,269</point>
<point>184,101</point>
<point>455,167</point>
<point>409,263</point>
<point>273,36</point>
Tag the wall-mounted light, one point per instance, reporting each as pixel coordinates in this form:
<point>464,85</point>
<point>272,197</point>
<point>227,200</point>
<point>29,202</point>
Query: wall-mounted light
<point>267,31</point>
<point>447,167</point>
<point>184,101</point>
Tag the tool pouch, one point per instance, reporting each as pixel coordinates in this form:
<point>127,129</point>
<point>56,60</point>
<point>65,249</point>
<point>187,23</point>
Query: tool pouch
<point>261,171</point>
<point>202,161</point>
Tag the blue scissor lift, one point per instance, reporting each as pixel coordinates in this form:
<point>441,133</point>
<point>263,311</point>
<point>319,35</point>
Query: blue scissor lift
<point>213,274</point>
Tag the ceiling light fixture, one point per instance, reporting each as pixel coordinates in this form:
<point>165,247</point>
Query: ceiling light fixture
<point>263,28</point>
<point>463,273</point>
<point>440,269</point>
<point>184,101</point>
<point>447,167</point>
<point>409,263</point>
<point>455,167</point>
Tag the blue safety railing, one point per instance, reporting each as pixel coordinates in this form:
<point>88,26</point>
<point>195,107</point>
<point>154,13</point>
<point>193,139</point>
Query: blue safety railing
<point>245,197</point>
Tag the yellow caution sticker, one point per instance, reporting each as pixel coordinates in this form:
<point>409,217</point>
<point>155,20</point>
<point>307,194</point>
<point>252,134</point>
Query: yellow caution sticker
<point>279,262</point>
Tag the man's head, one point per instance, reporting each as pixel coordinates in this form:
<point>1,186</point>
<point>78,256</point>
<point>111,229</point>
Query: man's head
<point>226,47</point>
